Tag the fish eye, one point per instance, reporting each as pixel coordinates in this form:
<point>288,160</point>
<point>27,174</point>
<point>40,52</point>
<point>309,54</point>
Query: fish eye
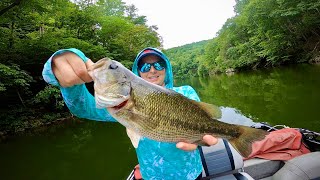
<point>113,66</point>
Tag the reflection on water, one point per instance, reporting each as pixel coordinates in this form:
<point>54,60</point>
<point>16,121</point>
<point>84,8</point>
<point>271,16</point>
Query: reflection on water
<point>233,116</point>
<point>288,95</point>
<point>89,150</point>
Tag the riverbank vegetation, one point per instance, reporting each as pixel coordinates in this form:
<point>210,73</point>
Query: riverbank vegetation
<point>263,33</point>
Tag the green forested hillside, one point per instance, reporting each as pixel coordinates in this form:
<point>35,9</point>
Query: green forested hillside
<point>185,59</point>
<point>263,33</point>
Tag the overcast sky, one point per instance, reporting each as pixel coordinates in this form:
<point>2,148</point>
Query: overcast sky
<point>185,21</point>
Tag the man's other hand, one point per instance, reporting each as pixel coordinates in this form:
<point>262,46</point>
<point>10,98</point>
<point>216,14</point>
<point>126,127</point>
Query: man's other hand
<point>210,140</point>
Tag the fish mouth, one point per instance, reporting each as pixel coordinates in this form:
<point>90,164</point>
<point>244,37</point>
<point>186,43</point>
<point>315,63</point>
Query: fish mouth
<point>121,105</point>
<point>113,101</point>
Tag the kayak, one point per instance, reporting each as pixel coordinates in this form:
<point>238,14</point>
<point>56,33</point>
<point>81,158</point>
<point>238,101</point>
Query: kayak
<point>223,162</point>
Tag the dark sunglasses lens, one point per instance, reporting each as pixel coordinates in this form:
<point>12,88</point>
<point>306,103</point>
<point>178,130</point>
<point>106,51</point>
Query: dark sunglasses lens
<point>145,68</point>
<point>158,66</point>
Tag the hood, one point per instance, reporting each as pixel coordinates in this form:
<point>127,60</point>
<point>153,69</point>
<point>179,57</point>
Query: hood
<point>169,75</point>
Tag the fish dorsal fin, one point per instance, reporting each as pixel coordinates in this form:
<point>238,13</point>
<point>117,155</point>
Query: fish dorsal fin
<point>213,110</point>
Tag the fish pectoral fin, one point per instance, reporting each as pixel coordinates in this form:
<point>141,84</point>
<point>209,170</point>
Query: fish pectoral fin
<point>134,137</point>
<point>213,110</point>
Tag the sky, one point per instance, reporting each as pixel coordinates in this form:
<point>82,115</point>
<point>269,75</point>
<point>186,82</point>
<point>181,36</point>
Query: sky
<point>182,22</point>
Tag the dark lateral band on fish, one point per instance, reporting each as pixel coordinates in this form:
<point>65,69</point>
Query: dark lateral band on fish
<point>162,114</point>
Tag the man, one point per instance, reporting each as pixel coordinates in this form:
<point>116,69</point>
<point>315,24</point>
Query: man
<point>158,160</point>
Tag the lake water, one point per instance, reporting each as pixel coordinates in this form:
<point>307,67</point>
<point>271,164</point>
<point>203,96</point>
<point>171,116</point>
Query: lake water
<point>97,150</point>
<point>280,96</point>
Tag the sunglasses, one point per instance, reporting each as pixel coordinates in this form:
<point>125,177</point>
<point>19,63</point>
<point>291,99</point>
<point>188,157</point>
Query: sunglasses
<point>145,67</point>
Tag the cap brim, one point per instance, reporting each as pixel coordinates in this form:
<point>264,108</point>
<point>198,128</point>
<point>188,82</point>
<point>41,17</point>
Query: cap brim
<point>148,54</point>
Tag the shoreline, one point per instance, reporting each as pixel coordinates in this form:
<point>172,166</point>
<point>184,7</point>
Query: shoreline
<point>37,126</point>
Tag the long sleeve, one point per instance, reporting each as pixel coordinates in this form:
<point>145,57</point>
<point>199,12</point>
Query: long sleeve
<point>187,91</point>
<point>77,98</point>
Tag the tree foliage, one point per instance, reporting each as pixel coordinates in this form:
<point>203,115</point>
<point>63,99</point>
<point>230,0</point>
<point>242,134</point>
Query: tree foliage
<point>32,30</point>
<point>185,59</point>
<point>263,33</point>
<point>267,33</point>
<point>48,95</point>
<point>14,81</point>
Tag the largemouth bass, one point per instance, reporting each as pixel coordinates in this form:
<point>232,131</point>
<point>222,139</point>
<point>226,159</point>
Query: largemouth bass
<point>152,111</point>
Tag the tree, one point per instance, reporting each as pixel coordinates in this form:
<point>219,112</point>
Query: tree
<point>267,33</point>
<point>5,6</point>
<point>131,13</point>
<point>13,78</point>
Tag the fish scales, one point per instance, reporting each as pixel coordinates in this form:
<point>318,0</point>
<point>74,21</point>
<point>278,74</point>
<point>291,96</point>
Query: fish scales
<point>174,121</point>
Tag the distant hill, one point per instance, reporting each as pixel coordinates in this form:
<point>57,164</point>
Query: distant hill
<point>185,59</point>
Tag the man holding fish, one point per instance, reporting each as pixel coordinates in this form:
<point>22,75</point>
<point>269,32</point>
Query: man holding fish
<point>147,108</point>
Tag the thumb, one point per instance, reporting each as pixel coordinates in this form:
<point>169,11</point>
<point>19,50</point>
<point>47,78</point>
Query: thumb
<point>89,64</point>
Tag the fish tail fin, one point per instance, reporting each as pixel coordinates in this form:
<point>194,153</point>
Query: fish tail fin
<point>243,143</point>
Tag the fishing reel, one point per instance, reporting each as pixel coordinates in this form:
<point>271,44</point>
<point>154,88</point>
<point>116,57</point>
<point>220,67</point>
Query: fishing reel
<point>311,139</point>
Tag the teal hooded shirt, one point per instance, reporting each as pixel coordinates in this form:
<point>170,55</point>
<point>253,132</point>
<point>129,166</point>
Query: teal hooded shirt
<point>158,160</point>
